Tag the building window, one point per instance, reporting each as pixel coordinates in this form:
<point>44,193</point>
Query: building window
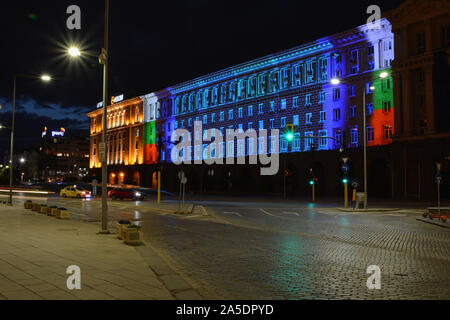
<point>283,122</point>
<point>323,116</point>
<point>354,135</point>
<point>261,84</point>
<point>308,140</point>
<point>308,118</point>
<point>213,117</point>
<point>283,145</point>
<point>308,99</point>
<point>309,77</point>
<point>336,114</point>
<point>284,78</point>
<point>387,106</point>
<point>296,76</point>
<point>336,94</point>
<point>352,112</point>
<point>272,123</point>
<point>388,132</point>
<point>222,115</point>
<point>421,42</point>
<point>354,61</point>
<point>296,144</point>
<point>323,142</point>
<point>352,91</point>
<point>205,119</point>
<point>261,108</point>
<point>230,114</point>
<point>283,104</point>
<point>261,124</point>
<point>240,113</point>
<point>189,123</point>
<point>338,136</point>
<point>295,121</point>
<point>369,109</point>
<point>272,106</point>
<point>321,96</point>
<point>250,125</point>
<point>295,102</point>
<point>370,134</point>
<point>250,111</point>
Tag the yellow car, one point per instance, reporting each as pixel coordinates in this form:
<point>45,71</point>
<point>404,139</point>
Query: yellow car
<point>74,192</point>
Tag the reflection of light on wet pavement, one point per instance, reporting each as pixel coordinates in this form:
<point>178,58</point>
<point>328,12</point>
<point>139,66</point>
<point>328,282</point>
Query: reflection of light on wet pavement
<point>137,215</point>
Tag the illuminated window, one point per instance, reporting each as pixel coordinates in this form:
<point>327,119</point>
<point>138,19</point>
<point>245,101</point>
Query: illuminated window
<point>199,98</point>
<point>354,61</point>
<point>387,106</point>
<point>261,84</point>
<point>323,69</point>
<point>284,78</point>
<point>241,89</point>
<point>352,90</point>
<point>213,117</point>
<point>295,102</point>
<point>223,93</point>
<point>222,115</point>
<point>338,135</point>
<point>296,144</point>
<point>251,87</point>
<point>189,122</point>
<point>136,114</point>
<point>261,124</point>
<point>369,109</point>
<point>309,76</point>
<point>308,141</point>
<point>273,81</point>
<point>232,91</point>
<point>272,106</point>
<point>272,123</point>
<point>283,122</point>
<point>354,135</point>
<point>205,119</point>
<point>240,113</point>
<point>250,125</point>
<point>295,120</point>
<point>283,104</point>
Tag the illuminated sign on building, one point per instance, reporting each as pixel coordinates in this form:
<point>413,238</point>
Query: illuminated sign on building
<point>114,99</point>
<point>59,133</point>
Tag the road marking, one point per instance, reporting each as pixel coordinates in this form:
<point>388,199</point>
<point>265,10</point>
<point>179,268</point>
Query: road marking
<point>291,213</point>
<point>268,213</point>
<point>236,213</point>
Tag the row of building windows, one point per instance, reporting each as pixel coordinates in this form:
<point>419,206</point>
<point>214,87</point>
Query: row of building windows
<point>247,146</point>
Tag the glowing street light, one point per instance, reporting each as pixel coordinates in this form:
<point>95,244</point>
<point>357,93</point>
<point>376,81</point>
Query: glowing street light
<point>384,74</point>
<point>74,52</point>
<point>46,77</point>
<point>22,160</point>
<point>335,81</point>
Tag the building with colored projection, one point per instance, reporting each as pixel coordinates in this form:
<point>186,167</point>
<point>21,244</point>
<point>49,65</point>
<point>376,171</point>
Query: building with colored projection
<point>290,87</point>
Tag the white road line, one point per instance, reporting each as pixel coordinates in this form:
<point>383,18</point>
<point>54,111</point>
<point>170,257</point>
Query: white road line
<point>291,213</point>
<point>236,213</point>
<point>268,213</point>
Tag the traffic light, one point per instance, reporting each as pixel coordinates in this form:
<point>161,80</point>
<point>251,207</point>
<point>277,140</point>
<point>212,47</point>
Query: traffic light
<point>289,135</point>
<point>344,180</point>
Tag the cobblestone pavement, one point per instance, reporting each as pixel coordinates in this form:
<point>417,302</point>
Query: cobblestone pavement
<point>294,251</point>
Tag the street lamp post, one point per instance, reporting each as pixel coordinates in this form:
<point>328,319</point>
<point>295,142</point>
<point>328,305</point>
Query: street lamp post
<point>44,77</point>
<point>104,60</point>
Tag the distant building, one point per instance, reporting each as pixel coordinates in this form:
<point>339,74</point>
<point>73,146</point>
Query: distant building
<point>63,156</point>
<point>125,143</point>
<point>421,98</point>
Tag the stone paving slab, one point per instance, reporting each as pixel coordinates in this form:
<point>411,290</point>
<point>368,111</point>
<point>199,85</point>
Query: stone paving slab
<point>35,251</point>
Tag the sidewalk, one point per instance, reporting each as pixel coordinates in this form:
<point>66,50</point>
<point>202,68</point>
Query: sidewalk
<point>35,251</point>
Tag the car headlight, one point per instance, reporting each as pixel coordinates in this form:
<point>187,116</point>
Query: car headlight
<point>137,194</point>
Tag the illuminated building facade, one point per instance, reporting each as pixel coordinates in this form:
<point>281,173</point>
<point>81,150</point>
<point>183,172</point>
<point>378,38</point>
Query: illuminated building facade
<point>124,140</point>
<point>289,87</point>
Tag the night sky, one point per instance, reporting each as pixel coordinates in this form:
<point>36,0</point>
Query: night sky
<point>153,44</point>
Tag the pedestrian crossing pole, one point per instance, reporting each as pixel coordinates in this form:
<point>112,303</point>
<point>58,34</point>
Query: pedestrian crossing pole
<point>313,193</point>
<point>345,193</point>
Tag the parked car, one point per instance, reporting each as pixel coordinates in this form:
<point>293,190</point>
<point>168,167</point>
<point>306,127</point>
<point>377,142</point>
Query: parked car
<point>122,193</point>
<point>74,192</point>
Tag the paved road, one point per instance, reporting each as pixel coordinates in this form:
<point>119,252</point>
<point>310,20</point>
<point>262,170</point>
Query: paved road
<point>276,250</point>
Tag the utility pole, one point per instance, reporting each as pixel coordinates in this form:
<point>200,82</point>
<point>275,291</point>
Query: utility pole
<point>11,158</point>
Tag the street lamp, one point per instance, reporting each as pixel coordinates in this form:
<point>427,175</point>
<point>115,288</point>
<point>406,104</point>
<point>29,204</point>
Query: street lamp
<point>22,160</point>
<point>44,77</point>
<point>74,52</point>
<point>336,81</point>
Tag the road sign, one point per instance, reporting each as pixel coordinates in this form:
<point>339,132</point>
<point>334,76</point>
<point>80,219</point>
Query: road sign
<point>181,175</point>
<point>344,167</point>
<point>184,180</point>
<point>355,184</point>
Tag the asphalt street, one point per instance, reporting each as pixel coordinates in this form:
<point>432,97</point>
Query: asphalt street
<point>290,250</point>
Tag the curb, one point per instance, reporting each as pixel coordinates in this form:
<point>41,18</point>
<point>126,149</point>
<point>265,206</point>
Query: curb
<point>435,222</point>
<point>369,210</point>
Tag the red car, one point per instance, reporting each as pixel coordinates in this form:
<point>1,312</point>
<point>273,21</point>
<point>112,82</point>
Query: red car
<point>122,193</point>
